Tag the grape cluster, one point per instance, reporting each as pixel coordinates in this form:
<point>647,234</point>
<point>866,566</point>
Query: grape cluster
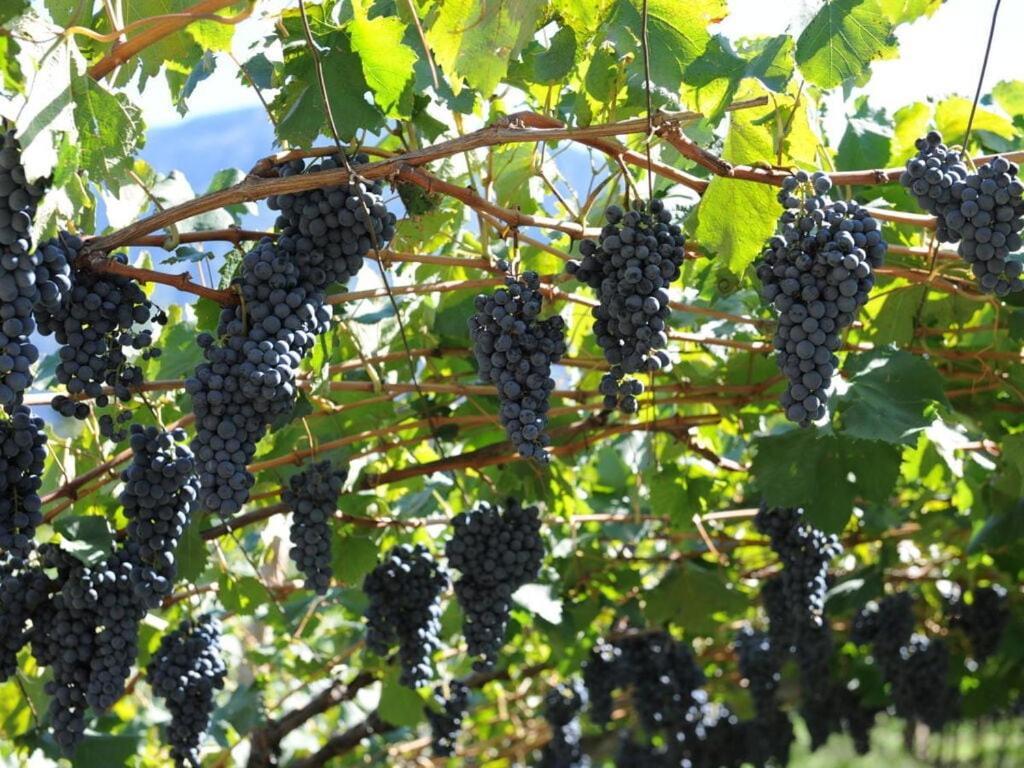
<point>18,196</point>
<point>65,640</point>
<point>930,176</point>
<point>805,553</point>
<point>312,497</point>
<point>816,274</point>
<point>247,381</point>
<point>659,671</point>
<point>639,255</point>
<point>22,593</point>
<point>18,289</point>
<point>117,612</point>
<point>983,620</point>
<point>186,671</point>
<point>497,553</point>
<point>982,211</point>
<point>515,351</point>
<point>776,609</point>
<point>405,608</point>
<point>759,665</point>
<point>329,231</point>
<point>988,225</point>
<point>95,323</point>
<point>160,491</point>
<point>562,706</point>
<point>22,453</point>
<point>17,297</point>
<point>446,720</point>
<point>887,626</point>
<point>920,686</point>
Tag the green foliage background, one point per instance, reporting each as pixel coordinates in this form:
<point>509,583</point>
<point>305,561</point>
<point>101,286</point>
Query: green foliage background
<point>921,467</point>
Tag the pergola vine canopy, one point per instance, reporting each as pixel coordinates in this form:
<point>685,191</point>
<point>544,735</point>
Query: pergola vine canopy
<point>590,395</point>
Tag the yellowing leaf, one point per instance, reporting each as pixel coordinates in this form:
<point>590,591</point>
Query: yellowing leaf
<point>387,62</point>
<point>475,39</point>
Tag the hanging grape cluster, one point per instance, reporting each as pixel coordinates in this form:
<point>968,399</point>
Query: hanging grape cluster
<point>404,591</point>
<point>20,276</point>
<point>96,322</point>
<point>247,382</point>
<point>816,275</point>
<point>659,671</point>
<point>186,671</point>
<point>312,498</point>
<point>983,620</point>
<point>496,553</point>
<point>446,721</point>
<point>160,492</point>
<point>515,351</point>
<point>982,211</point>
<point>638,256</point>
<point>22,453</point>
<point>562,706</point>
<point>22,593</point>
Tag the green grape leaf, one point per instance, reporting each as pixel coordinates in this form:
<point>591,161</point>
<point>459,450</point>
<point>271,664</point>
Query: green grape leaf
<point>12,10</point>
<point>89,537</point>
<point>473,40</point>
<point>583,16</point>
<point>842,40</point>
<point>890,396</point>
<point>823,473</point>
<point>691,597</point>
<point>352,557</point>
<point>299,107</point>
<point>734,240</point>
<point>546,65</point>
<point>386,61</point>
<point>676,31</point>
<point>192,554</point>
<point>399,705</point>
<point>102,750</point>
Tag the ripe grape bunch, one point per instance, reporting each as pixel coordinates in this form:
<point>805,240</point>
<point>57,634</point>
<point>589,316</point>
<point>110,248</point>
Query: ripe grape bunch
<point>22,453</point>
<point>983,620</point>
<point>23,591</point>
<point>405,608</point>
<point>187,671</point>
<point>887,626</point>
<point>19,276</point>
<point>331,230</point>
<point>920,687</point>
<point>446,721</point>
<point>248,379</point>
<point>95,322</point>
<point>18,196</point>
<point>805,553</point>
<point>160,492</point>
<point>816,274</point>
<point>65,640</point>
<point>496,552</point>
<point>661,673</point>
<point>312,497</point>
<point>562,706</point>
<point>515,351</point>
<point>930,176</point>
<point>982,211</point>
<point>759,664</point>
<point>638,256</point>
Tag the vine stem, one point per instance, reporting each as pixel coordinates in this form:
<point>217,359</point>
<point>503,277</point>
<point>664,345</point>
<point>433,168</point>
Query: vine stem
<point>170,24</point>
<point>254,187</point>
